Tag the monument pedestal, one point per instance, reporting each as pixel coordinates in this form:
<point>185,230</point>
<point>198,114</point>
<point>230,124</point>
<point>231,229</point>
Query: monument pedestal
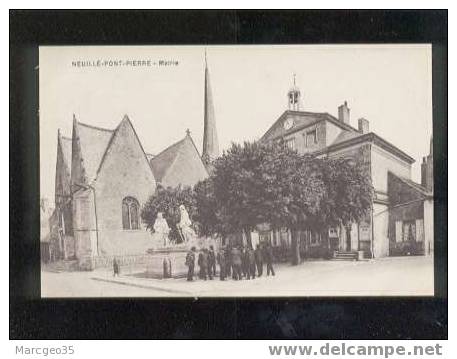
<point>167,262</point>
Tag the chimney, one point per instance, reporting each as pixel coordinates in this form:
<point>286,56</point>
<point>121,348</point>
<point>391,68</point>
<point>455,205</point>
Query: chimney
<point>364,125</point>
<point>424,172</point>
<point>343,113</point>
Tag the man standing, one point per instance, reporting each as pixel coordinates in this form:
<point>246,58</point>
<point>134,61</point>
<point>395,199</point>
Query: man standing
<point>221,259</point>
<point>258,260</point>
<point>245,262</point>
<point>190,263</point>
<point>211,262</point>
<point>269,259</point>
<point>251,263</point>
<point>228,261</point>
<point>203,264</point>
<point>116,268</point>
<point>236,263</point>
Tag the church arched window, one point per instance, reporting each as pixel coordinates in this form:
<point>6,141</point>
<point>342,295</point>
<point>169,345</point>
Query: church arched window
<point>130,213</point>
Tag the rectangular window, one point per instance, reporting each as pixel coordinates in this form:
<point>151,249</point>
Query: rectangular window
<point>419,230</point>
<point>409,231</point>
<point>315,238</point>
<point>290,144</point>
<point>311,138</point>
<point>332,233</point>
<point>398,231</point>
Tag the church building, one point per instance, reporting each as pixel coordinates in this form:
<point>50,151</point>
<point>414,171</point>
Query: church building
<point>104,177</point>
<point>401,218</point>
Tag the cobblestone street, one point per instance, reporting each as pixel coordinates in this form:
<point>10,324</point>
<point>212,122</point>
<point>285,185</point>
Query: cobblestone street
<point>407,276</point>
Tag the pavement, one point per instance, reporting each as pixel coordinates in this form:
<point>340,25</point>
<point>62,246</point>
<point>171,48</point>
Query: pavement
<point>393,276</point>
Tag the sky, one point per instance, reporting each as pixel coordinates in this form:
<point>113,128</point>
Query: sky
<point>389,85</point>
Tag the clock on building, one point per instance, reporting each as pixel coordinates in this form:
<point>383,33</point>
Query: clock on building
<point>288,123</point>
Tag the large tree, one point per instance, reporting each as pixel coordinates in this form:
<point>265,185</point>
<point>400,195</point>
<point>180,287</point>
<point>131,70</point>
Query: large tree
<point>207,211</point>
<point>258,183</point>
<point>349,192</point>
<point>239,187</point>
<point>294,189</point>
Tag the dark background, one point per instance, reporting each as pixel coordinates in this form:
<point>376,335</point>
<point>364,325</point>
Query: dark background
<point>306,318</point>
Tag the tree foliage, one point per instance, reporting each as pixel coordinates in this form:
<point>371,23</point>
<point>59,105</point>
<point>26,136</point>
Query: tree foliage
<point>348,194</point>
<point>255,183</point>
<point>167,200</point>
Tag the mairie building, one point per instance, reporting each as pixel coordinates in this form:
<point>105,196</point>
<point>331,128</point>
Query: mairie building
<point>400,221</point>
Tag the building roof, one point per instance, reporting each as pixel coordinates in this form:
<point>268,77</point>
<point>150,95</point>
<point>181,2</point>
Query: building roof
<point>350,140</point>
<point>415,186</point>
<point>66,148</point>
<point>66,145</point>
<point>348,137</point>
<point>345,136</point>
<point>179,163</point>
<point>93,144</point>
<point>163,161</point>
<point>302,120</point>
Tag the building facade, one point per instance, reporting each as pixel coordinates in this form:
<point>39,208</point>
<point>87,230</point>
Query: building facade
<point>324,135</point>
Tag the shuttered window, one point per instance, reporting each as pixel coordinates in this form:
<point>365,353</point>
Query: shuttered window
<point>419,230</point>
<point>398,231</point>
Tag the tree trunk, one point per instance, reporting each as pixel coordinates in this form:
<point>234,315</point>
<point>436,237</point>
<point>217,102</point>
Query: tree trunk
<point>326,239</point>
<point>295,247</point>
<point>247,232</point>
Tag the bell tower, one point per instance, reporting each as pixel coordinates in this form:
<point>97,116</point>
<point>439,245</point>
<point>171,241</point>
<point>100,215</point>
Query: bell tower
<point>293,97</point>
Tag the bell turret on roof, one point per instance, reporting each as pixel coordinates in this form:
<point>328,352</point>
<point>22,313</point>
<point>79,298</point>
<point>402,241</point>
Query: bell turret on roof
<point>293,97</point>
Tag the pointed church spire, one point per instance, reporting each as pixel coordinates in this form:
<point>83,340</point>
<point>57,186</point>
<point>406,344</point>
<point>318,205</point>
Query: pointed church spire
<point>210,141</point>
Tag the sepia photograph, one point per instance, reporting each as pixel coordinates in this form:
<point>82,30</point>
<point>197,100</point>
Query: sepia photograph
<point>236,171</point>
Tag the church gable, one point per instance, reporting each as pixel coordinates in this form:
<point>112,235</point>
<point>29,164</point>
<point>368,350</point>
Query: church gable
<point>187,168</point>
<point>179,164</point>
<point>126,155</point>
<point>124,172</point>
<point>124,162</point>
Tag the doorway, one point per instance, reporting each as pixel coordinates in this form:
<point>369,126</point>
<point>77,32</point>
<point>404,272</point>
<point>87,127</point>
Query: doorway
<point>348,239</point>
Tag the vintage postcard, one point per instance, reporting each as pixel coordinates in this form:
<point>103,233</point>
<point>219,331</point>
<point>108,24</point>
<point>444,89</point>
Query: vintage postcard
<point>236,171</point>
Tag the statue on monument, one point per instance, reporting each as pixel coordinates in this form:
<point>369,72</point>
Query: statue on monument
<point>184,224</point>
<point>161,229</point>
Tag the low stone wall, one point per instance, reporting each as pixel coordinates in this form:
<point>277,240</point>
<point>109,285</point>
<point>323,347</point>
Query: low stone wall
<point>91,263</point>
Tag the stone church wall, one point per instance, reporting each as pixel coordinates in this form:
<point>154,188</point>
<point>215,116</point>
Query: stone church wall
<point>124,172</point>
